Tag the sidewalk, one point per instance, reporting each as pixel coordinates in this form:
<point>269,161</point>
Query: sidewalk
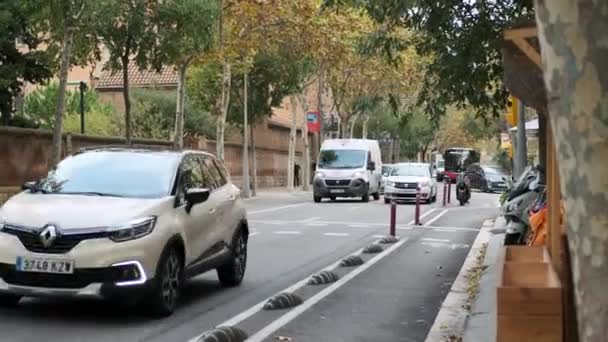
<point>460,319</point>
<point>280,192</point>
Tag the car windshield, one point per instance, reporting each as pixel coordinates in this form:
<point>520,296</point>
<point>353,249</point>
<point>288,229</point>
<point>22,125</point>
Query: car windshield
<point>441,163</point>
<point>386,169</point>
<point>342,159</point>
<point>410,170</point>
<point>492,171</point>
<point>120,174</point>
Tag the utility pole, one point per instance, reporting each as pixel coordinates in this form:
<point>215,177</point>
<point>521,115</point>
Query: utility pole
<point>83,88</point>
<point>245,189</point>
<point>521,153</point>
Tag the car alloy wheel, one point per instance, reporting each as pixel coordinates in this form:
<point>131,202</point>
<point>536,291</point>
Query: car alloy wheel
<point>233,272</point>
<point>171,280</point>
<point>240,258</point>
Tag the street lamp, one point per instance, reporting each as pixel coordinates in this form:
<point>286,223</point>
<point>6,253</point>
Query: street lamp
<point>83,88</point>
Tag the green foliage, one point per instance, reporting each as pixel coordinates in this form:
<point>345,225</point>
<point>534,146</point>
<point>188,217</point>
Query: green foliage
<point>417,133</point>
<point>463,39</point>
<point>39,108</point>
<point>154,116</point>
<point>18,66</point>
<point>204,85</point>
<point>480,127</point>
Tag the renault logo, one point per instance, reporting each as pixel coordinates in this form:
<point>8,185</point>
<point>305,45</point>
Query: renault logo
<point>48,235</point>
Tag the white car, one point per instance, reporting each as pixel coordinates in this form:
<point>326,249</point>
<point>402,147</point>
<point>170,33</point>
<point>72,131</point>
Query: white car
<point>404,180</point>
<point>123,222</point>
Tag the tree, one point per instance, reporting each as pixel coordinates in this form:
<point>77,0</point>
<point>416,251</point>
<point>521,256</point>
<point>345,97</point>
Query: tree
<point>185,31</point>
<point>19,64</point>
<point>571,35</point>
<point>125,29</point>
<point>463,39</point>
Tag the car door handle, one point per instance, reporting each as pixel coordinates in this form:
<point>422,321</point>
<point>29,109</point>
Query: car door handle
<point>232,198</point>
<point>211,211</point>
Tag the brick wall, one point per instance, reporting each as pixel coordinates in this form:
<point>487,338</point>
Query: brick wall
<point>24,153</point>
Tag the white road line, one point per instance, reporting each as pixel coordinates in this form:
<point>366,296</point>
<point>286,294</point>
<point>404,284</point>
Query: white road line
<point>336,234</point>
<point>436,217</point>
<point>298,310</point>
<point>288,232</point>
<point>444,230</point>
<point>317,224</point>
<point>310,219</point>
<point>404,228</point>
<point>435,240</point>
<point>358,226</point>
<point>253,212</point>
<point>423,216</point>
<point>378,236</point>
<point>253,234</point>
<point>440,227</point>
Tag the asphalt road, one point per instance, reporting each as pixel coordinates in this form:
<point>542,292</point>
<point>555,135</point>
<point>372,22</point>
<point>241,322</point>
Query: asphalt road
<point>394,296</point>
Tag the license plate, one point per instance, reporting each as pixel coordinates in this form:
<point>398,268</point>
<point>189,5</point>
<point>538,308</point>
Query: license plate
<point>41,265</point>
<point>337,191</point>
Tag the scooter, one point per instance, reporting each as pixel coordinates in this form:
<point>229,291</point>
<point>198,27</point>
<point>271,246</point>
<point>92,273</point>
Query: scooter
<point>463,189</point>
<point>523,196</point>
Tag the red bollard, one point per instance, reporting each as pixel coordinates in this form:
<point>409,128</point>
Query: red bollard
<point>445,192</point>
<point>449,191</point>
<point>393,223</point>
<point>417,210</point>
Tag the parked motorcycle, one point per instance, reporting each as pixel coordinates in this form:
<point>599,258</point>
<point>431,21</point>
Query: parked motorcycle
<point>520,199</point>
<point>463,189</point>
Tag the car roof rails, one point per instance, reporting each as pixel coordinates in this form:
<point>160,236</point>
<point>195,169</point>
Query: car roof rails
<point>133,147</point>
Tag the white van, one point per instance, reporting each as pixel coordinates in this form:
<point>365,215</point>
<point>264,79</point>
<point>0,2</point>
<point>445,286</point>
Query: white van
<point>348,168</point>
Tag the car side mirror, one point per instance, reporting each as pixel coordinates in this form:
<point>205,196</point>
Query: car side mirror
<point>196,196</point>
<point>371,166</point>
<point>385,174</point>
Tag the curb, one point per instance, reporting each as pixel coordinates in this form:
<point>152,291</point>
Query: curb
<point>452,316</point>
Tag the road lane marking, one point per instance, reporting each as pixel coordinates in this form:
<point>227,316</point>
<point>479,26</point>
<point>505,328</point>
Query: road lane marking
<point>378,236</point>
<point>425,214</point>
<point>358,226</point>
<point>317,224</point>
<point>452,246</point>
<point>435,240</point>
<point>444,230</point>
<point>253,234</point>
<point>287,232</point>
<point>298,310</point>
<point>310,219</point>
<point>253,212</point>
<point>436,217</point>
<point>405,228</point>
<point>336,234</point>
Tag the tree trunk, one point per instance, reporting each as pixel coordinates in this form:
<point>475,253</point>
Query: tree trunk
<point>364,130</point>
<point>223,110</point>
<point>321,134</point>
<point>254,163</point>
<point>246,185</point>
<point>572,36</point>
<point>66,49</point>
<point>306,159</point>
<point>127,99</point>
<point>291,158</point>
<point>353,122</point>
<point>178,138</point>
<point>343,127</point>
<point>521,154</point>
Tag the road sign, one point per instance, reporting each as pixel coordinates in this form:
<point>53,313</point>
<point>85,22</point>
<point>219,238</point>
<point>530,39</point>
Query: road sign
<point>313,122</point>
<point>512,107</point>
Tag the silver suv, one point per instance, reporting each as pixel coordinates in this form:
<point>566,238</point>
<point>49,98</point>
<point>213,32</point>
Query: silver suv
<point>126,223</point>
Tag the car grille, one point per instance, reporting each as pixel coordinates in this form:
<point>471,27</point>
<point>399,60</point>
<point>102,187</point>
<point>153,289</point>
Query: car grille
<point>62,244</point>
<point>406,185</point>
<point>337,182</point>
<point>79,279</point>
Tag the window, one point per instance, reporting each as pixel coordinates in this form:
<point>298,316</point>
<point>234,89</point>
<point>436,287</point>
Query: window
<point>215,179</point>
<point>222,172</point>
<point>192,174</point>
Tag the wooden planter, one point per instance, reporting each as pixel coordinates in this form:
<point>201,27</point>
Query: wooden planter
<point>529,299</point>
<point>526,254</point>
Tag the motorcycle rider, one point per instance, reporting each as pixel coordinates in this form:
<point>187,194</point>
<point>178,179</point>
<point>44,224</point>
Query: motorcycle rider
<point>463,180</point>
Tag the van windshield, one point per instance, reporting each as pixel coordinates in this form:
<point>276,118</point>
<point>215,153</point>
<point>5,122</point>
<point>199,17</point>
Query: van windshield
<point>342,159</point>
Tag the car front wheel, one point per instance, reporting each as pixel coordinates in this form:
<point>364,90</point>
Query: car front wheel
<point>167,286</point>
<point>233,272</point>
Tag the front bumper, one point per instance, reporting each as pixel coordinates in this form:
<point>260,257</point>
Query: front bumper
<point>406,194</point>
<point>354,188</point>
<point>102,268</point>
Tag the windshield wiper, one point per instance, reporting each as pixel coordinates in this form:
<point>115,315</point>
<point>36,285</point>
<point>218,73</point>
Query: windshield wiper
<point>87,193</point>
<point>34,187</point>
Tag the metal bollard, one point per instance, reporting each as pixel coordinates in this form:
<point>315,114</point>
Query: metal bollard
<point>417,210</point>
<point>449,191</point>
<point>445,191</point>
<point>393,223</point>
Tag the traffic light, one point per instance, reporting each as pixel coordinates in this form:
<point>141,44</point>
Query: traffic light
<point>512,107</point>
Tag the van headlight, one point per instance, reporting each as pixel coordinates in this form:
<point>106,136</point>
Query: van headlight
<point>133,230</point>
<point>358,174</point>
<point>319,175</point>
<point>389,183</point>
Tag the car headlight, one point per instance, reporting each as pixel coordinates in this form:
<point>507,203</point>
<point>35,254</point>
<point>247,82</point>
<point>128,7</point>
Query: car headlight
<point>389,183</point>
<point>133,230</point>
<point>319,175</point>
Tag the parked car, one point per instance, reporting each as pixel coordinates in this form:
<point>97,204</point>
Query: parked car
<point>486,178</point>
<point>126,223</point>
<point>406,177</point>
<point>440,169</point>
<point>348,168</point>
<point>386,171</point>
